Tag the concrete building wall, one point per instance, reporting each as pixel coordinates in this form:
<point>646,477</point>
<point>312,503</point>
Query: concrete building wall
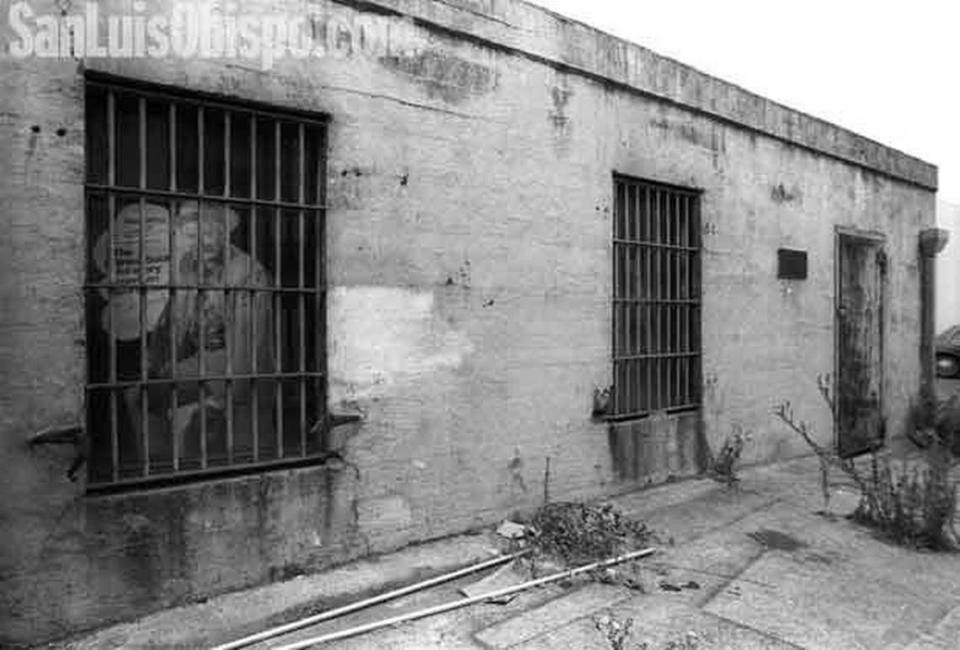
<point>471,153</point>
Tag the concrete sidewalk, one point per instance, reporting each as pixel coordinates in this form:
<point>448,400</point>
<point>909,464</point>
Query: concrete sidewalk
<point>760,566</point>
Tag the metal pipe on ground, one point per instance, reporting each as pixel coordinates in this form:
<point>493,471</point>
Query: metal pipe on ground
<point>362,604</point>
<point>440,609</point>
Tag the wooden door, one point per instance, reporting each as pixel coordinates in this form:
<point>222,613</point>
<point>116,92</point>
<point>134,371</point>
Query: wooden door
<point>859,387</point>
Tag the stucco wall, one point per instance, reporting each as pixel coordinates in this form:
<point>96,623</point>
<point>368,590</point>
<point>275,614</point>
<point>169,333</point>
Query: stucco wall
<point>471,155</point>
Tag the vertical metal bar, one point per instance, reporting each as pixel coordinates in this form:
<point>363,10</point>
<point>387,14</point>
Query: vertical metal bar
<point>201,181</point>
<point>277,295</point>
<point>228,297</point>
<point>678,296</point>
<point>252,315</point>
<point>627,304</point>
<point>142,289</point>
<point>685,296</point>
<point>692,231</point>
<point>618,292</point>
<point>201,295</point>
<point>320,323</point>
<point>671,294</point>
<point>112,272</point>
<point>678,291</point>
<point>617,210</point>
<point>173,146</point>
<point>654,295</point>
<point>636,308</point>
<point>301,298</point>
<point>226,152</point>
<point>650,307</point>
<point>664,307</point>
<point>172,276</point>
<point>628,389</point>
<point>665,289</point>
<point>695,316</point>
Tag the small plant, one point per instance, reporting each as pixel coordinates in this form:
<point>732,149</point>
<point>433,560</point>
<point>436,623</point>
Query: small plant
<point>614,630</point>
<point>915,507</point>
<point>724,466</point>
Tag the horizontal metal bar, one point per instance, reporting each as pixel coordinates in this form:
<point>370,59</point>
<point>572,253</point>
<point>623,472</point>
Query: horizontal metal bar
<point>239,468</point>
<point>195,196</point>
<point>638,415</point>
<point>624,180</point>
<point>199,98</point>
<point>665,355</point>
<point>204,379</point>
<point>205,287</point>
<point>637,243</point>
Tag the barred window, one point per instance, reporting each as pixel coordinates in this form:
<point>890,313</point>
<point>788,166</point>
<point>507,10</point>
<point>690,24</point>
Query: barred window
<point>656,299</point>
<point>205,301</point>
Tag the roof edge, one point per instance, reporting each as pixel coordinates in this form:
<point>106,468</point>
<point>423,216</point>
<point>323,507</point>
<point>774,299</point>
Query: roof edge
<point>539,34</point>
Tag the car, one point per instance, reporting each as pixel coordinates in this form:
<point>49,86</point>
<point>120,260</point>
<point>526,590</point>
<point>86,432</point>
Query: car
<point>947,346</point>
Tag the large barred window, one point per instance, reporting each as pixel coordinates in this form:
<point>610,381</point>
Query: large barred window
<point>656,299</point>
<point>205,293</point>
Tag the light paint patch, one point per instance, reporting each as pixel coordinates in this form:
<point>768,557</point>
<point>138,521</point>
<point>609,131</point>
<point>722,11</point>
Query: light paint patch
<point>384,336</point>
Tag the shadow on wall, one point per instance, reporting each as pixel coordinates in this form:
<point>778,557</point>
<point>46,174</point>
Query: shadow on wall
<point>948,267</point>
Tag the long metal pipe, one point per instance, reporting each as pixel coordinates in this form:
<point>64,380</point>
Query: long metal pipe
<point>439,609</point>
<point>352,607</point>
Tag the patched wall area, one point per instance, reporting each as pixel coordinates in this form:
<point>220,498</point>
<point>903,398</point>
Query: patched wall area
<point>471,153</point>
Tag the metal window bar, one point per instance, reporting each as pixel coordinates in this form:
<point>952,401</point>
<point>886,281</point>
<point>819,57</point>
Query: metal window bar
<point>228,296</point>
<point>142,289</point>
<point>124,442</point>
<point>656,296</point>
<point>301,304</point>
<point>319,275</point>
<point>112,275</point>
<point>201,293</point>
<point>254,361</point>
<point>172,275</point>
<point>277,301</point>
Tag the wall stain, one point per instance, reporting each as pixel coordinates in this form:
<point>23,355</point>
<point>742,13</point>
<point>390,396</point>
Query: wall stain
<point>516,472</point>
<point>561,98</point>
<point>444,76</point>
<point>780,194</point>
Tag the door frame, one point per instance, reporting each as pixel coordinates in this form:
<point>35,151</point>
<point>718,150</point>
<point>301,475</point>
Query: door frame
<point>874,238</point>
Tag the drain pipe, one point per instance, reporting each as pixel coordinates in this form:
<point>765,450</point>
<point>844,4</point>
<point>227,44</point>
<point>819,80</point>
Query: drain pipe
<point>932,242</point>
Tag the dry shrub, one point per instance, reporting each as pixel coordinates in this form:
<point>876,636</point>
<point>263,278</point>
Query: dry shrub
<point>577,533</point>
<point>914,505</point>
